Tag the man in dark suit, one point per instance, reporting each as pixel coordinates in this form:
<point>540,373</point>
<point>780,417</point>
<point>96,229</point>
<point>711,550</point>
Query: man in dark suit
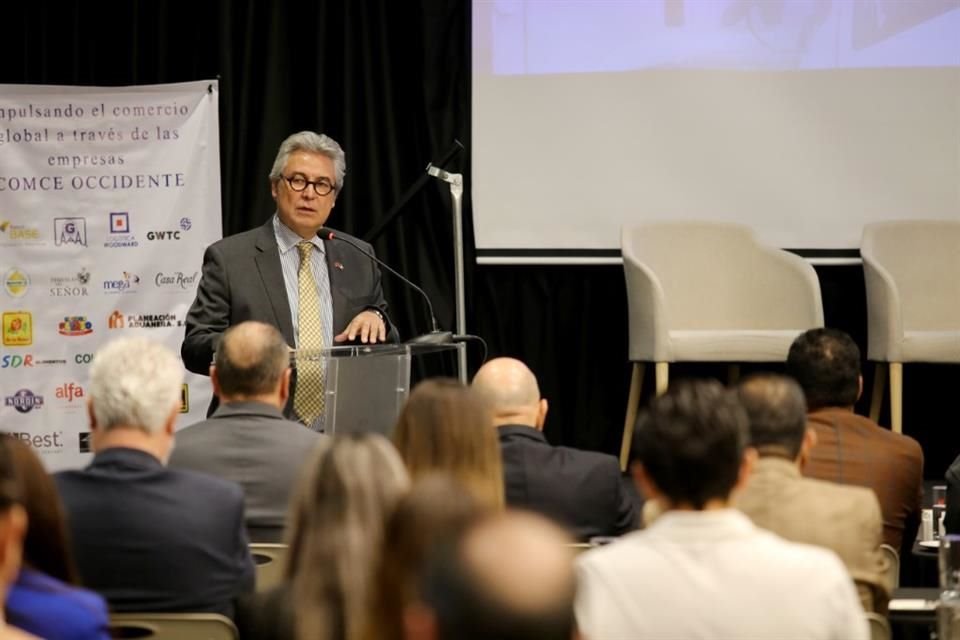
<point>852,449</point>
<point>146,537</point>
<point>247,439</point>
<point>317,292</point>
<point>582,490</point>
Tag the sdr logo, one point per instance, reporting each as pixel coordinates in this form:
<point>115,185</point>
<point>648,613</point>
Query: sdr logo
<point>13,362</point>
<point>163,235</point>
<point>82,358</point>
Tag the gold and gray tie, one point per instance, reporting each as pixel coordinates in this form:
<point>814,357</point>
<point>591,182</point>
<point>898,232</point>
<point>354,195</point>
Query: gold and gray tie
<point>308,397</point>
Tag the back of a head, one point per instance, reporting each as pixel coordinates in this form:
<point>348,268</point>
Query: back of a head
<point>337,517</point>
<point>446,426</point>
<point>134,382</point>
<point>777,413</point>
<point>250,360</point>
<point>436,509</point>
<point>509,576</point>
<point>690,442</point>
<point>508,386</point>
<point>826,363</point>
<point>46,547</point>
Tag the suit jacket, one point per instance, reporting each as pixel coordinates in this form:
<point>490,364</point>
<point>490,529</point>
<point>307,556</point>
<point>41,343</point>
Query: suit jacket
<point>951,521</point>
<point>51,609</point>
<point>252,444</point>
<point>149,538</point>
<point>242,279</point>
<point>852,449</point>
<point>845,520</point>
<point>580,489</point>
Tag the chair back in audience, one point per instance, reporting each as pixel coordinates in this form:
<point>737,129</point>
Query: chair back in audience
<point>879,627</point>
<point>893,566</point>
<point>270,559</point>
<point>173,626</point>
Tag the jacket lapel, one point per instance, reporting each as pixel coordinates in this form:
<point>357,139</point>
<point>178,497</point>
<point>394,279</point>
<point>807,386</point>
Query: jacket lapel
<point>337,266</point>
<point>271,275</point>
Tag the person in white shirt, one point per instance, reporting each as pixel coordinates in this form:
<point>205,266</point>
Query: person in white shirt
<point>702,569</point>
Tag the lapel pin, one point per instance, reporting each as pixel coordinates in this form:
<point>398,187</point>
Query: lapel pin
<point>338,265</point>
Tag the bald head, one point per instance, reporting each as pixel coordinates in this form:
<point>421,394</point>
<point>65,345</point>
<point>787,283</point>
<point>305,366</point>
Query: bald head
<point>511,389</point>
<point>251,362</point>
<point>510,577</point>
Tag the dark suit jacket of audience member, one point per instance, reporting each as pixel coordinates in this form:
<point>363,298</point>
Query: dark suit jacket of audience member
<point>582,490</point>
<point>951,521</point>
<point>149,538</point>
<point>852,449</point>
<point>268,615</point>
<point>252,444</point>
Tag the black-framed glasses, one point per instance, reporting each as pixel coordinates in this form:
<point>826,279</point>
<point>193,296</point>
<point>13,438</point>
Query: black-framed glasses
<point>321,187</point>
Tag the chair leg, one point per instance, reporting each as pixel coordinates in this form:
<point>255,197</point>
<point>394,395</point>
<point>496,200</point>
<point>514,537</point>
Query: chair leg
<point>879,387</point>
<point>633,403</point>
<point>663,377</point>
<point>733,374</point>
<point>896,396</point>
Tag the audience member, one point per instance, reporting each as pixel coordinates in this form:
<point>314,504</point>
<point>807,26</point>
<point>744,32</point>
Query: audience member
<point>337,517</point>
<point>509,576</point>
<point>702,569</point>
<point>13,527</point>
<point>951,519</point>
<point>852,449</point>
<point>843,519</point>
<point>146,537</point>
<point>593,501</point>
<point>247,439</point>
<point>436,509</point>
<point>45,599</point>
<point>446,427</point>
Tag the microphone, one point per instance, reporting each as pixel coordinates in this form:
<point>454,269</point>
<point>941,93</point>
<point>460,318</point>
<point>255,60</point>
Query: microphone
<point>435,336</point>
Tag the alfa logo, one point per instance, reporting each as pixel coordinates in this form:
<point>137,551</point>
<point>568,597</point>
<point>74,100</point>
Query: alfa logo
<point>17,329</point>
<point>16,282</point>
<point>70,231</point>
<point>69,391</point>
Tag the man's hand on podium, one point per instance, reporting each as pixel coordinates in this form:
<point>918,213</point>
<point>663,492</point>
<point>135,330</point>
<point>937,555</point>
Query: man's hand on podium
<point>368,325</point>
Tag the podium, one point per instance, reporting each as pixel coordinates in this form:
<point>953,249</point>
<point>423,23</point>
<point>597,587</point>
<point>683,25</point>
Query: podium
<point>365,386</point>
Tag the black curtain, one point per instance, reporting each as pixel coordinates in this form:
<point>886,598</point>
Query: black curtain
<point>391,81</point>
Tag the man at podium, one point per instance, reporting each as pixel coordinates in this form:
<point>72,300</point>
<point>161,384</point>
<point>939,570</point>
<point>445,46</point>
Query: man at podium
<point>317,292</point>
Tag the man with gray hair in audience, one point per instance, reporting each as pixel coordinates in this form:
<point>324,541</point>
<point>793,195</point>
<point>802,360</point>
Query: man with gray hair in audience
<point>146,537</point>
<point>844,519</point>
<point>247,439</point>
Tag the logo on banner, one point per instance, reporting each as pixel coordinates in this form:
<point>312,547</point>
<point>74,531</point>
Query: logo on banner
<point>143,321</point>
<point>17,329</point>
<point>127,284</point>
<point>51,442</point>
<point>69,393</point>
<point>75,326</point>
<point>83,358</point>
<point>16,282</point>
<point>70,231</point>
<point>11,233</point>
<point>83,441</point>
<point>185,224</point>
<point>120,235</point>
<point>24,401</point>
<point>14,361</point>
<point>163,235</point>
<point>175,280</point>
<point>185,398</point>
<point>70,286</point>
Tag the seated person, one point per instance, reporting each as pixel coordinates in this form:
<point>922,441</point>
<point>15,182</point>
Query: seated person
<point>146,537</point>
<point>45,599</point>
<point>581,490</point>
<point>247,440</point>
<point>13,528</point>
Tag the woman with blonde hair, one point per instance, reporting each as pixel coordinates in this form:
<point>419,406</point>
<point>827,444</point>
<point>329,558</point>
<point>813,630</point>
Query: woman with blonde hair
<point>447,427</point>
<point>336,522</point>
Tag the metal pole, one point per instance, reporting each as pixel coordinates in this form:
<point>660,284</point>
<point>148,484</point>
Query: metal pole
<point>456,193</point>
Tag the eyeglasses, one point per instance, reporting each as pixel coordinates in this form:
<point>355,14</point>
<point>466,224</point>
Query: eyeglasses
<point>321,187</point>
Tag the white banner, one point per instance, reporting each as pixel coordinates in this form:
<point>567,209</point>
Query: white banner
<point>108,197</point>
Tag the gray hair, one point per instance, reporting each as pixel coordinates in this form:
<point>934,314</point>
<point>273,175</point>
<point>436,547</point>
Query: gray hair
<point>134,382</point>
<point>314,143</point>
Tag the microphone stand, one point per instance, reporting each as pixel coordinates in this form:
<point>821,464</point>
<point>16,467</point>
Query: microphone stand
<point>455,180</point>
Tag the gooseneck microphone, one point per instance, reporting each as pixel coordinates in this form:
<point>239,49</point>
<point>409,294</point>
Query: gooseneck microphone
<point>436,336</point>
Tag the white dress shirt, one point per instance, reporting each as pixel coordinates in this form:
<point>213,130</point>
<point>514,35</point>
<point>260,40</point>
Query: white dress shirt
<point>714,575</point>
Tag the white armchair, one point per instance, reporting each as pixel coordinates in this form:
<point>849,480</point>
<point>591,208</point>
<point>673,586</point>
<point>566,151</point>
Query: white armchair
<point>912,275</point>
<point>708,292</point>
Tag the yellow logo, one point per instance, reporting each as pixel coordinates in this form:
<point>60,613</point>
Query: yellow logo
<point>16,282</point>
<point>17,329</point>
